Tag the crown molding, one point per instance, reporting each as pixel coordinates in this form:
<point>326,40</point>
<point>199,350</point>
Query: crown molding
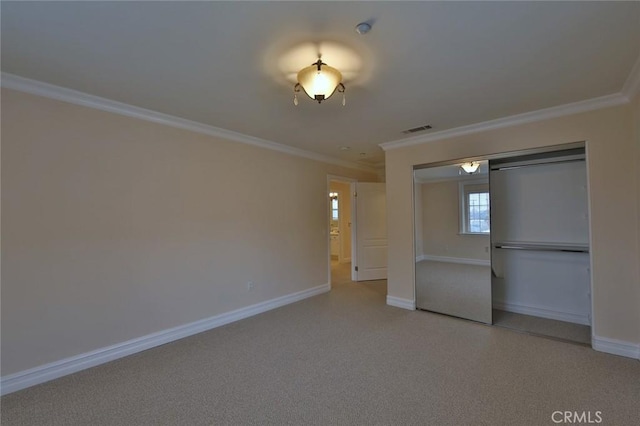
<point>631,87</point>
<point>375,165</point>
<point>35,87</point>
<point>513,120</point>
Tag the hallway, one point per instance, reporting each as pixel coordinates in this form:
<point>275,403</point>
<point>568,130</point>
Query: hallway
<point>341,281</point>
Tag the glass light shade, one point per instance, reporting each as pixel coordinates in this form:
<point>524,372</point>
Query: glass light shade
<point>319,84</point>
<point>471,167</point>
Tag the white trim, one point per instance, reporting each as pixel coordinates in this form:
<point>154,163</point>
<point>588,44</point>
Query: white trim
<point>538,311</point>
<point>615,347</point>
<point>631,87</point>
<point>63,94</point>
<point>587,155</point>
<point>23,379</point>
<point>459,260</point>
<point>513,120</point>
<point>399,302</point>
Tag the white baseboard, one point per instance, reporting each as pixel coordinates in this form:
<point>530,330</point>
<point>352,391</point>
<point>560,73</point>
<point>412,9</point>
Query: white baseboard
<point>399,302</point>
<point>538,311</point>
<point>24,379</point>
<point>460,260</point>
<point>616,347</point>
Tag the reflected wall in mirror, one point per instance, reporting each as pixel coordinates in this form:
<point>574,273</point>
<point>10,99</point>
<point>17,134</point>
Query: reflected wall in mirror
<point>452,223</point>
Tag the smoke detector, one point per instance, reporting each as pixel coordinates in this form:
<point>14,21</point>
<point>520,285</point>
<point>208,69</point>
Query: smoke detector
<point>363,27</point>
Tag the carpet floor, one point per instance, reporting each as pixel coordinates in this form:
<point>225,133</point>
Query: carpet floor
<point>543,326</point>
<point>342,358</point>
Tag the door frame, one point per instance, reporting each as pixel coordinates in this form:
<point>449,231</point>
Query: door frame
<point>352,182</point>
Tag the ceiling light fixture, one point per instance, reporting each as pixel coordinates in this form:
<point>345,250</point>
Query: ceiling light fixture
<point>470,167</point>
<point>319,81</point>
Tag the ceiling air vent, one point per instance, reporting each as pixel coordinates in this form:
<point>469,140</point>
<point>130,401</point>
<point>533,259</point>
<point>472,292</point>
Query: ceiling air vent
<point>417,129</point>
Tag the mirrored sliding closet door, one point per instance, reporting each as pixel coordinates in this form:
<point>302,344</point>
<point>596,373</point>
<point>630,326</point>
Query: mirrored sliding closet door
<point>452,223</point>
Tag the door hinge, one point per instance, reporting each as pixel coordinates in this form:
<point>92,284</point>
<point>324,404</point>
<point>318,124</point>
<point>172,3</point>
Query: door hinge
<point>356,269</point>
<point>355,194</point>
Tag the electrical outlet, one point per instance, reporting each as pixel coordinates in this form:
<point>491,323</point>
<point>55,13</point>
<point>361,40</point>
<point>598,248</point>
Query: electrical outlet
<point>250,285</point>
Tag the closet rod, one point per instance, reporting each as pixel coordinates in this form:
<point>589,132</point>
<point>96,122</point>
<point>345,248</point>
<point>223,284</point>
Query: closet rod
<point>519,166</point>
<point>565,249</point>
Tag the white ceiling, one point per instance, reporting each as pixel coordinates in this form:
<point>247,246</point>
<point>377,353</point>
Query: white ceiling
<point>450,172</point>
<point>229,64</point>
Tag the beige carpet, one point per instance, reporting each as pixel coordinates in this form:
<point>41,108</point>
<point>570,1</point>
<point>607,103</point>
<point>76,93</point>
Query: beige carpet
<point>341,358</point>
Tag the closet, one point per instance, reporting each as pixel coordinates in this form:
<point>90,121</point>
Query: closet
<point>540,244</point>
<point>531,271</point>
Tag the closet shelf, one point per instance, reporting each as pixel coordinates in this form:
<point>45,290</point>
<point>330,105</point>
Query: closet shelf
<point>569,248</point>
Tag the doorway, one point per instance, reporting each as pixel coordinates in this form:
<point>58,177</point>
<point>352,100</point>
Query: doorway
<point>341,220</point>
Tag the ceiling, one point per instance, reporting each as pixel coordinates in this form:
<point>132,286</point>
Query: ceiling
<point>230,64</point>
<point>449,172</point>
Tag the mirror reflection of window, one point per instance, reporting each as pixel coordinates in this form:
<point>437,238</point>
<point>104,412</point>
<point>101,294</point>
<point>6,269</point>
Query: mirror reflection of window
<point>474,208</point>
<point>478,212</point>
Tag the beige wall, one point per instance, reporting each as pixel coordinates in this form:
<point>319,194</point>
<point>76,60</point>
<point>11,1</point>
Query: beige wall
<point>612,163</point>
<point>441,224</point>
<point>114,228</point>
<point>344,212</point>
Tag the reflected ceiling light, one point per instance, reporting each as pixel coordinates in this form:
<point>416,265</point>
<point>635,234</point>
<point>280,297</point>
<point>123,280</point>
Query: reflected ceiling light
<point>319,81</point>
<point>470,167</point>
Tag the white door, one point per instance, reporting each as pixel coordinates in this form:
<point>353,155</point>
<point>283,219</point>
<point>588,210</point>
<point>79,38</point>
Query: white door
<point>371,232</point>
